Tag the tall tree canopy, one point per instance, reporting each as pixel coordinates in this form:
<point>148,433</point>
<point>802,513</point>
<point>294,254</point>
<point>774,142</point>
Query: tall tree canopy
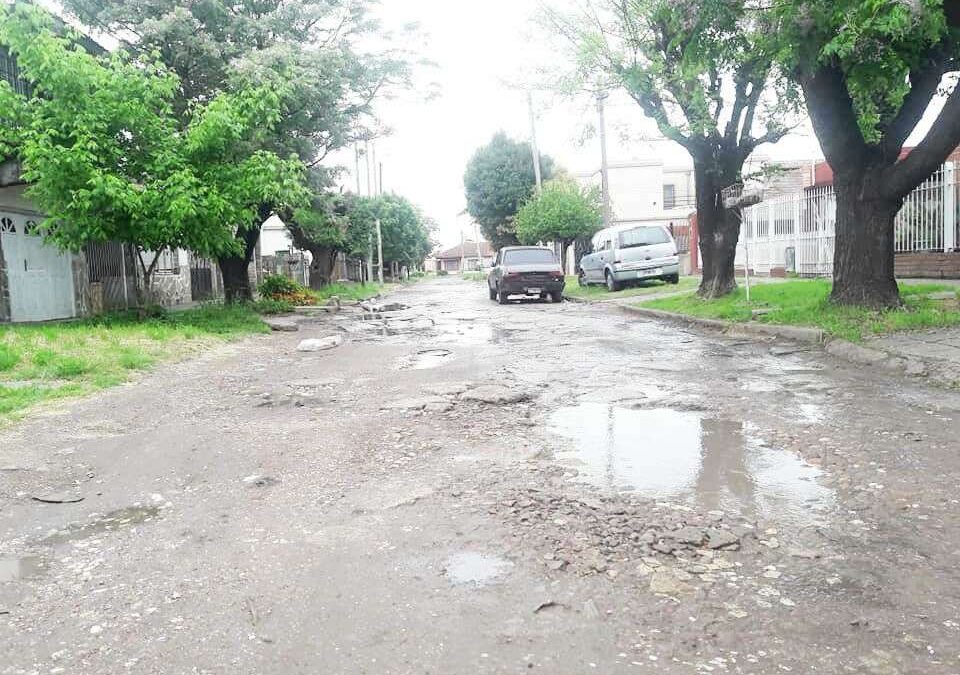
<point>563,211</point>
<point>315,48</point>
<point>705,72</point>
<point>406,232</point>
<point>869,70</point>
<point>107,160</point>
<point>499,179</point>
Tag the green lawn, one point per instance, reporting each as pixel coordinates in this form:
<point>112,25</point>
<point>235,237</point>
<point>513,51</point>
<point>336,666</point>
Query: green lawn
<point>347,292</point>
<point>805,303</point>
<point>51,361</point>
<point>652,287</point>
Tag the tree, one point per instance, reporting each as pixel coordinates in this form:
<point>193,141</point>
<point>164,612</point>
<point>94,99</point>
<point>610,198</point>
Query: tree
<point>406,237</point>
<point>499,179</point>
<point>106,159</point>
<point>705,72</point>
<point>312,50</point>
<point>869,70</point>
<point>334,223</point>
<point>564,211</point>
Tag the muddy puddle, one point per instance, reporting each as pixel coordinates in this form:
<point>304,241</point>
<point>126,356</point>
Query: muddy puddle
<point>426,359</point>
<point>476,569</point>
<point>115,520</point>
<point>690,456</point>
<point>18,569</point>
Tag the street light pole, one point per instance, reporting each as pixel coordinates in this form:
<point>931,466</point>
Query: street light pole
<point>604,165</point>
<point>533,142</point>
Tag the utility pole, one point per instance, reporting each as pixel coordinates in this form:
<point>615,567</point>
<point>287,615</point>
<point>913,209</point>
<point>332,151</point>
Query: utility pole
<point>379,253</point>
<point>533,141</point>
<point>604,166</point>
<point>356,160</point>
<point>366,157</point>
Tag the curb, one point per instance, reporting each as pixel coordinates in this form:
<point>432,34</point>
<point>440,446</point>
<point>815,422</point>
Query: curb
<point>848,351</point>
<point>792,333</point>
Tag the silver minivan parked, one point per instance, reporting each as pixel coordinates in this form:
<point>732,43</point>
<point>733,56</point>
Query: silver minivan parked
<point>630,253</point>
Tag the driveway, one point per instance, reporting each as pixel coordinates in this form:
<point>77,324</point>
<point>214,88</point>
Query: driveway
<point>467,488</point>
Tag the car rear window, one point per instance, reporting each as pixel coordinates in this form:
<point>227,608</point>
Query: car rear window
<point>529,256</point>
<point>643,236</point>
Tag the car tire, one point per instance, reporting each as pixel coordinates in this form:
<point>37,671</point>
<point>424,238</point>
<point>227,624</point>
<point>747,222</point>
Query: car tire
<point>612,284</point>
<point>556,296</point>
<point>492,291</point>
<point>501,297</point>
<point>582,279</point>
<point>673,279</point>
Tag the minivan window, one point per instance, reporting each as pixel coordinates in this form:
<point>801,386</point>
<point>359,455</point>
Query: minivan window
<point>529,256</point>
<point>643,236</point>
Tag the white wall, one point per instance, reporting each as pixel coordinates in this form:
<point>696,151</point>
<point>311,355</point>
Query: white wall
<point>274,237</point>
<point>636,191</point>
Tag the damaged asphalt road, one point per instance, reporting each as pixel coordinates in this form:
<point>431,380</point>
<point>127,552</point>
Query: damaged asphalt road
<point>451,486</point>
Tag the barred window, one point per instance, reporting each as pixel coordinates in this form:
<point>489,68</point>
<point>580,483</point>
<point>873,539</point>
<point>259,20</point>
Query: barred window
<point>169,262</point>
<point>10,72</point>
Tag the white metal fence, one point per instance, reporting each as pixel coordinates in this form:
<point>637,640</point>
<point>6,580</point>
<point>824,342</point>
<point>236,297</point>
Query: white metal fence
<point>796,232</point>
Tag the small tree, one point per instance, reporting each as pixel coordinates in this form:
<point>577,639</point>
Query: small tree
<point>705,72</point>
<point>406,236</point>
<point>333,224</point>
<point>499,179</point>
<point>564,212</point>
<point>870,70</point>
<point>105,158</point>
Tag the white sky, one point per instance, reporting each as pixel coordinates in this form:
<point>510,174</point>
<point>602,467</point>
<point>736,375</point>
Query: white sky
<point>480,49</point>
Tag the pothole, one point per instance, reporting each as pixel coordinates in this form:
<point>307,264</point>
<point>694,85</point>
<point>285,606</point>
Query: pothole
<point>115,520</point>
<point>476,569</point>
<point>687,454</point>
<point>426,359</point>
<point>17,569</point>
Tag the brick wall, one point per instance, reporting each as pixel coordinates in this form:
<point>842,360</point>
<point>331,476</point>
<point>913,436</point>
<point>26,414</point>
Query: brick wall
<point>928,265</point>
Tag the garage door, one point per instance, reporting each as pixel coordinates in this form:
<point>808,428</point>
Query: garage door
<point>39,275</point>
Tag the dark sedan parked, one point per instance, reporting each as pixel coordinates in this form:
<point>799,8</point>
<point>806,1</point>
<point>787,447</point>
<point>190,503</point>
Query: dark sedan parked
<point>529,271</point>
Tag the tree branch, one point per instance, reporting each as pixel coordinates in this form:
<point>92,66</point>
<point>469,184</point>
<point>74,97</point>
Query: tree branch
<point>924,84</point>
<point>833,116</point>
<point>941,140</point>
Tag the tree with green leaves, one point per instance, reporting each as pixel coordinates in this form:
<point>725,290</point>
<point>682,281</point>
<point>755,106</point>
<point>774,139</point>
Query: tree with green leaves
<point>107,160</point>
<point>563,211</point>
<point>405,231</point>
<point>706,72</point>
<point>334,223</point>
<point>869,70</point>
<point>329,60</point>
<point>499,179</point>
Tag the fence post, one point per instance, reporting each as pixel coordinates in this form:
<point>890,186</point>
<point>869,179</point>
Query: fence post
<point>949,207</point>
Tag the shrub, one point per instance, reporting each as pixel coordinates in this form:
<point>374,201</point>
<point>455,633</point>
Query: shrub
<point>9,357</point>
<point>275,285</point>
<point>271,306</point>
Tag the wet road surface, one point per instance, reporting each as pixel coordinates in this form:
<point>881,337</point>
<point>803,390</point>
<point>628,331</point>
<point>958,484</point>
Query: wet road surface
<point>462,487</point>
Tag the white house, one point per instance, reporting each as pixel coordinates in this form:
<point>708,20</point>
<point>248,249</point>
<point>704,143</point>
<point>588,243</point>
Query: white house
<point>648,191</point>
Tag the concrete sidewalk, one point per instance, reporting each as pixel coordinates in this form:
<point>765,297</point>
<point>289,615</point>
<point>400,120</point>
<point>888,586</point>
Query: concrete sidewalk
<point>938,347</point>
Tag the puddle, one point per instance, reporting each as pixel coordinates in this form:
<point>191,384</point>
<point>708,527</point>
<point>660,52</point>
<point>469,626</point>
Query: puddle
<point>115,520</point>
<point>16,569</point>
<point>477,569</point>
<point>688,455</point>
<point>428,358</point>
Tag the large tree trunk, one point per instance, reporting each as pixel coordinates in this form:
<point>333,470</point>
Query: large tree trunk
<point>321,267</point>
<point>719,232</point>
<point>863,261</point>
<point>236,268</point>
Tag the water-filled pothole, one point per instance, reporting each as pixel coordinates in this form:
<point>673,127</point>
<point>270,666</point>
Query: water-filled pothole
<point>115,520</point>
<point>17,569</point>
<point>688,455</point>
<point>426,359</point>
<point>477,569</point>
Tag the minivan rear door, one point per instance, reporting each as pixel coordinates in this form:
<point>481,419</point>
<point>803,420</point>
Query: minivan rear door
<point>640,247</point>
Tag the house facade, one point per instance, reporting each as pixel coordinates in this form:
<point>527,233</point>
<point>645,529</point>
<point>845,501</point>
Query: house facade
<point>470,256</point>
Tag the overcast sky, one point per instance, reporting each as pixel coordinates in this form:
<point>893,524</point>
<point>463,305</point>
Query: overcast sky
<point>481,49</point>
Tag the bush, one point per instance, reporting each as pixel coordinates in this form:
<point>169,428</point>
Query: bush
<point>282,289</point>
<point>276,284</point>
<point>442,273</point>
<point>271,306</point>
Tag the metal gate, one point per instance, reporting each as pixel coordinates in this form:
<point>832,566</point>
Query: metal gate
<point>111,269</point>
<point>201,279</point>
<point>39,275</point>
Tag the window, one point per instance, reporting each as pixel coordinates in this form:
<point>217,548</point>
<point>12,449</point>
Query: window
<point>6,225</point>
<point>169,262</point>
<point>529,256</point>
<point>10,73</point>
<point>643,236</point>
<point>669,196</point>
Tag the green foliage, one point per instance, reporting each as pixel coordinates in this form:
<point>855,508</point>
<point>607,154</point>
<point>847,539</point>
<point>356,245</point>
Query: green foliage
<point>108,160</point>
<point>276,284</point>
<point>270,306</point>
<point>877,44</point>
<point>807,303</point>
<point>499,179</point>
<point>563,211</point>
<point>647,287</point>
<point>405,231</point>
